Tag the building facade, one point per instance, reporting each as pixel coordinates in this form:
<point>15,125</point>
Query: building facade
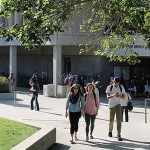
<point>61,55</point>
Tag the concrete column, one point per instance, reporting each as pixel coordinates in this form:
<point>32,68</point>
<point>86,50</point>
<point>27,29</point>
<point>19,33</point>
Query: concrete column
<point>13,60</point>
<point>57,66</point>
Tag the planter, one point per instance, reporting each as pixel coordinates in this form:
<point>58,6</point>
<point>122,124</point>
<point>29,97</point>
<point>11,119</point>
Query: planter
<point>6,96</point>
<point>61,91</point>
<point>48,90</point>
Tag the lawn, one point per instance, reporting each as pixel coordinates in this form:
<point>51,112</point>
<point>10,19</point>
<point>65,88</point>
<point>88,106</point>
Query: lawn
<point>12,133</point>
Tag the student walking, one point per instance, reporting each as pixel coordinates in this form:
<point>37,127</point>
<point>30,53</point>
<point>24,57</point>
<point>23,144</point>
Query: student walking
<point>124,108</point>
<point>69,83</point>
<point>91,109</point>
<point>34,90</point>
<point>75,106</point>
<point>11,79</point>
<point>115,93</point>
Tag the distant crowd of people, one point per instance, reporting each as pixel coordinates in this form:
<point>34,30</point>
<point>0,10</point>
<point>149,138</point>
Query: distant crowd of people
<point>135,87</point>
<point>69,80</point>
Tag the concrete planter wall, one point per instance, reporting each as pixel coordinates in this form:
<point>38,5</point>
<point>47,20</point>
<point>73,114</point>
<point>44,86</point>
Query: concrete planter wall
<point>6,96</point>
<point>61,91</point>
<point>41,140</point>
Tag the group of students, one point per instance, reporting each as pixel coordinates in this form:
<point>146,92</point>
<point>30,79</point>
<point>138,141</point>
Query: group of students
<point>77,105</point>
<point>88,105</point>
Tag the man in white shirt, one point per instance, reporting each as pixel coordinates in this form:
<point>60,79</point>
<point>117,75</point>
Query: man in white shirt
<point>114,93</point>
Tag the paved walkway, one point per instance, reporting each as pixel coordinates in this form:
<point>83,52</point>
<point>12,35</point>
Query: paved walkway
<point>135,132</point>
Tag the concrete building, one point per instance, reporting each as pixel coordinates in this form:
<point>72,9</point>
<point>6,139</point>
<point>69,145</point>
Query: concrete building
<point>62,55</point>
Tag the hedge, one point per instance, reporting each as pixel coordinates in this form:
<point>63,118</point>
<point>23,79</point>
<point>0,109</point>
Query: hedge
<point>4,85</point>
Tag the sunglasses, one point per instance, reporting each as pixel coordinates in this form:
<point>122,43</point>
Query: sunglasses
<point>75,88</point>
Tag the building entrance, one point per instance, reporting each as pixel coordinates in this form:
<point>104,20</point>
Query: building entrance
<point>67,65</point>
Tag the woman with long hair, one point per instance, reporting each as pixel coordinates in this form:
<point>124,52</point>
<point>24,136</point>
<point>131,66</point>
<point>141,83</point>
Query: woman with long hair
<point>74,107</point>
<point>91,109</point>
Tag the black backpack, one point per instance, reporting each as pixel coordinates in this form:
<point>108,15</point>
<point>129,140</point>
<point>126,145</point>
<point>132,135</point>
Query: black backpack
<point>94,97</point>
<point>119,87</point>
<point>130,106</point>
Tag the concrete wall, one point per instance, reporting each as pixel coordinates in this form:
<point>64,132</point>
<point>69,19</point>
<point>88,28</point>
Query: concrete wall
<point>41,140</point>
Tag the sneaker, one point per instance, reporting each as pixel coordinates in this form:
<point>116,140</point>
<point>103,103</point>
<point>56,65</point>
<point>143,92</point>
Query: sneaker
<point>87,138</point>
<point>91,137</point>
<point>72,142</point>
<point>76,139</point>
<point>110,134</point>
<point>119,138</point>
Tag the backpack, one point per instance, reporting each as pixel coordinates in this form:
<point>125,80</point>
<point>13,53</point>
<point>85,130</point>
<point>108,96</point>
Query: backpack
<point>112,87</point>
<point>130,106</point>
<point>94,97</point>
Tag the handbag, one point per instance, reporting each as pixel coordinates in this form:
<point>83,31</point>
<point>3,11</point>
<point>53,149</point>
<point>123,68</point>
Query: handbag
<point>130,106</point>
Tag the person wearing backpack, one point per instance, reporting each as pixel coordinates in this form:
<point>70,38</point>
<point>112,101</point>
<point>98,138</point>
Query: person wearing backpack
<point>124,104</point>
<point>115,93</point>
<point>91,109</point>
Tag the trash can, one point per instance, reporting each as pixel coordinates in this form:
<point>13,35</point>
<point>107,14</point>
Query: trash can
<point>46,90</point>
<point>61,91</point>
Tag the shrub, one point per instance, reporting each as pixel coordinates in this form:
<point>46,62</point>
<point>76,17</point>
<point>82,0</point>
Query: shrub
<point>4,85</point>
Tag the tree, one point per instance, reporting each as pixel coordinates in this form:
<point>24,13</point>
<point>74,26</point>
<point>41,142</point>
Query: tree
<point>108,20</point>
<point>114,22</point>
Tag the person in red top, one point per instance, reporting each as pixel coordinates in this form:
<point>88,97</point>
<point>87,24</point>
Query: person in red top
<point>69,84</point>
<point>91,109</point>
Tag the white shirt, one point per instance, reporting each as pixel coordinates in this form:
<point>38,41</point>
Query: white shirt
<point>96,92</point>
<point>124,102</point>
<point>112,102</point>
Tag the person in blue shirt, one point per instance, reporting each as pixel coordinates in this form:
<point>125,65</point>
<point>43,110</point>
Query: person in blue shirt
<point>74,108</point>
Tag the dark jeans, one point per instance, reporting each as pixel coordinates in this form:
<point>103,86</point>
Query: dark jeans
<point>124,108</point>
<point>34,97</point>
<point>89,119</point>
<point>74,120</point>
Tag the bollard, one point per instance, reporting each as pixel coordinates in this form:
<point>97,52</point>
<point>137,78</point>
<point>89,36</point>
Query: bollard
<point>14,99</point>
<point>146,109</point>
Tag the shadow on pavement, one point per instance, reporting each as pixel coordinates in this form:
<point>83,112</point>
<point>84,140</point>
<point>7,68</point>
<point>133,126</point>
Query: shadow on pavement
<point>116,145</point>
<point>58,146</point>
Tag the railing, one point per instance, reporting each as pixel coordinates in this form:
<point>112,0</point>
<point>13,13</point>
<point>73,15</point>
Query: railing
<point>148,99</point>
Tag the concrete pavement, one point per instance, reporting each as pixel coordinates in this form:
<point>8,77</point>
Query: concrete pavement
<point>135,133</point>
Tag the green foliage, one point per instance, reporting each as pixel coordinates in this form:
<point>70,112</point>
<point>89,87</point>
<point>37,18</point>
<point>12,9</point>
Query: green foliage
<point>41,19</point>
<point>12,133</point>
<point>108,21</point>
<point>4,85</point>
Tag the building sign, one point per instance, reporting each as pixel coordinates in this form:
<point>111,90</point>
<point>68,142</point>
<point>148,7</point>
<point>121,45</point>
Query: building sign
<point>138,46</point>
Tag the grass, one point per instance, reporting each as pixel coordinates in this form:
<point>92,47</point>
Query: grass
<point>12,133</point>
